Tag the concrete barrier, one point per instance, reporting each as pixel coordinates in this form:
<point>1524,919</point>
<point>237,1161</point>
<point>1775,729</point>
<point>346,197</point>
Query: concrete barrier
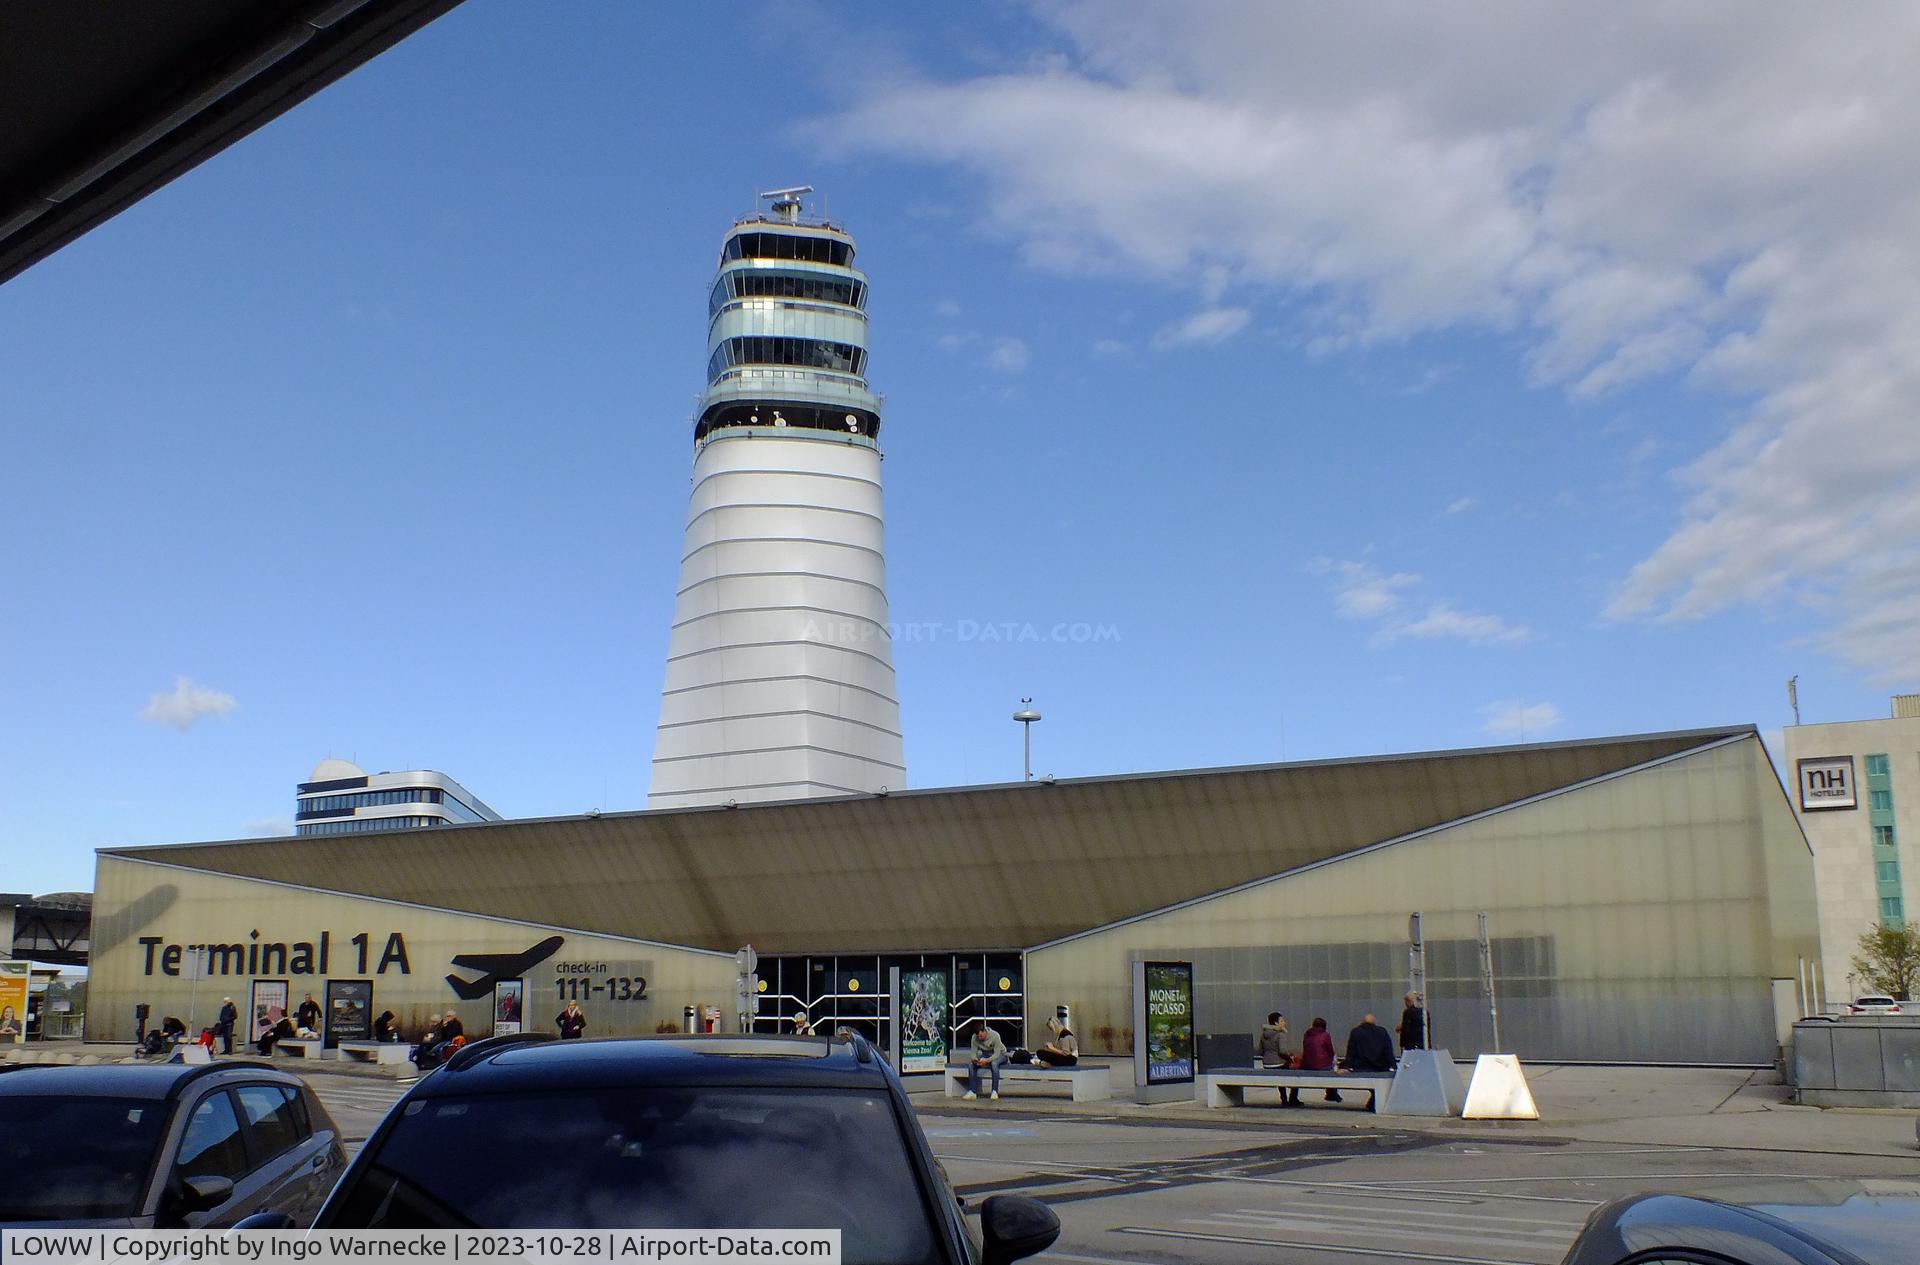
<point>1861,1061</point>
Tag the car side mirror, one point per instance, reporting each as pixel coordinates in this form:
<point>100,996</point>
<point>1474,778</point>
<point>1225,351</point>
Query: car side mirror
<point>1015,1227</point>
<point>203,1194</point>
<point>270,1220</point>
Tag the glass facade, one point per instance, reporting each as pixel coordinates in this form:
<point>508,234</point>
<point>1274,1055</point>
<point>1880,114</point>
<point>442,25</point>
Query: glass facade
<point>1639,917</point>
<point>1886,852</point>
<point>360,825</point>
<point>804,246</point>
<point>850,990</point>
<point>366,799</point>
<point>756,284</point>
<point>805,353</point>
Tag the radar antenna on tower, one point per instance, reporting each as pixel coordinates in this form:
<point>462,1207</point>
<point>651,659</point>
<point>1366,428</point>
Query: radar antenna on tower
<point>786,202</point>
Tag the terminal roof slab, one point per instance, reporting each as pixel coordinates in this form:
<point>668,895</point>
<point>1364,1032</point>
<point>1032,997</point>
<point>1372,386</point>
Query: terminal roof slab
<point>983,867</point>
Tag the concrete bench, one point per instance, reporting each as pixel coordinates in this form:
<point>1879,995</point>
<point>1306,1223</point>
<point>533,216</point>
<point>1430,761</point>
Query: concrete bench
<point>301,1047</point>
<point>1227,1087</point>
<point>374,1051</point>
<point>1086,1083</point>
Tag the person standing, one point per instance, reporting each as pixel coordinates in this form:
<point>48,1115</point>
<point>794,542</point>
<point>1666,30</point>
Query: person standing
<point>802,1027</point>
<point>1316,1053</point>
<point>572,1022</point>
<point>1413,1024</point>
<point>229,1016</point>
<point>988,1051</point>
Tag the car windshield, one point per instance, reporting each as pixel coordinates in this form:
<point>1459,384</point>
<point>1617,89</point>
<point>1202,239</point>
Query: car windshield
<point>73,1158</point>
<point>680,1158</point>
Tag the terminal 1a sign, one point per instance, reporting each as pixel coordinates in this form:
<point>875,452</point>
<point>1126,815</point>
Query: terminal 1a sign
<point>1826,783</point>
<point>362,954</point>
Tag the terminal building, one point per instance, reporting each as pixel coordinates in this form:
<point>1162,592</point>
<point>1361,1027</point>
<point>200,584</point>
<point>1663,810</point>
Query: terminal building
<point>340,798</point>
<point>1857,790</point>
<point>1650,898</point>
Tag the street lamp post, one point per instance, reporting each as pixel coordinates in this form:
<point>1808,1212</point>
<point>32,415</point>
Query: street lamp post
<point>1026,716</point>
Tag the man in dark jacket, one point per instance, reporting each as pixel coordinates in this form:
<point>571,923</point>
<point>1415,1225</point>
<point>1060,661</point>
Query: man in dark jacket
<point>1369,1048</point>
<point>308,1014</point>
<point>229,1016</point>
<point>572,1022</point>
<point>1413,1025</point>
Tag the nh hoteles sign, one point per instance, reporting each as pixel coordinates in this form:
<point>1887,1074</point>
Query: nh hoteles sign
<point>1827,783</point>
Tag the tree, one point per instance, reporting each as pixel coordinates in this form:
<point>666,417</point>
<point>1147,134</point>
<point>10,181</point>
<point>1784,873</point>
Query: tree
<point>1889,958</point>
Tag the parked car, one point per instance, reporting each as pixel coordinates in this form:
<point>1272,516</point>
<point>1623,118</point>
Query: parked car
<point>679,1132</point>
<point>1862,1228</point>
<point>1874,1006</point>
<point>162,1146</point>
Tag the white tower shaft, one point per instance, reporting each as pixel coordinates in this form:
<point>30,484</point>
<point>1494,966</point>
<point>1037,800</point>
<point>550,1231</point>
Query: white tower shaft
<point>780,680</point>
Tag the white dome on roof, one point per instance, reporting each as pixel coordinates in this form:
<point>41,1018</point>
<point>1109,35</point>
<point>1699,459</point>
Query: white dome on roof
<point>329,769</point>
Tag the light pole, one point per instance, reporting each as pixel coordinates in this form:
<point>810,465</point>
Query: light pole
<point>1026,716</point>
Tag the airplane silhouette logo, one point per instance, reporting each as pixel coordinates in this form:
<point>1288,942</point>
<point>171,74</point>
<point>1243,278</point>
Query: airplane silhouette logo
<point>495,967</point>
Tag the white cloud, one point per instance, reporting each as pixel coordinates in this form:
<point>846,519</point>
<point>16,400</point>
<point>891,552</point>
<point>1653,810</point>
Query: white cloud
<point>1444,622</point>
<point>1362,592</point>
<point>266,827</point>
<point>186,704</point>
<point>1209,325</point>
<point>1359,591</point>
<point>1512,718</point>
<point>1008,355</point>
<point>1705,192</point>
<point>1461,505</point>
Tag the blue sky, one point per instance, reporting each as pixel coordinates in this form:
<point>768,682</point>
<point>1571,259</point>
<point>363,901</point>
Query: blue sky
<point>1286,385</point>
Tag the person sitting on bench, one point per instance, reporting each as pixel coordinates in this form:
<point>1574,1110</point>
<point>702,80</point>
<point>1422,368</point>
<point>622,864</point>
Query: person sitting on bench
<point>1061,1050</point>
<point>988,1051</point>
<point>282,1031</point>
<point>1316,1053</point>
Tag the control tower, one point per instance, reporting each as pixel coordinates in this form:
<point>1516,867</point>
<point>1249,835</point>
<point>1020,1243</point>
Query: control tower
<point>779,679</point>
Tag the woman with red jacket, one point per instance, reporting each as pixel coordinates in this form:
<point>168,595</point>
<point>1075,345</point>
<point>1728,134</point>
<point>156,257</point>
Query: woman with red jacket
<point>1316,1055</point>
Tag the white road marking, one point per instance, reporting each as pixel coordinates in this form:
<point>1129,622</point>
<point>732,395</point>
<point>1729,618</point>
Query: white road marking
<point>1395,1254</point>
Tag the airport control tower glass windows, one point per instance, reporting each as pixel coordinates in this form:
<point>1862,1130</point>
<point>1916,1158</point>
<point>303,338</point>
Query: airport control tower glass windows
<point>781,285</point>
<point>805,353</point>
<point>819,250</point>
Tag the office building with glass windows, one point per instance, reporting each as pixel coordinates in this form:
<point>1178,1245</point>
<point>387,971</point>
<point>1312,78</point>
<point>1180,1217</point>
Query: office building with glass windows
<point>1649,898</point>
<point>1857,791</point>
<point>343,798</point>
<point>779,679</point>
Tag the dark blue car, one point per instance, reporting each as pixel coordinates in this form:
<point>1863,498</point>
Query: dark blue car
<point>162,1146</point>
<point>676,1133</point>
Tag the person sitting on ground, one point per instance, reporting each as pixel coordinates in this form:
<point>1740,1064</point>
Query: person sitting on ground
<point>386,1027</point>
<point>987,1051</point>
<point>1061,1049</point>
<point>440,1043</point>
<point>1413,1025</point>
<point>1316,1054</point>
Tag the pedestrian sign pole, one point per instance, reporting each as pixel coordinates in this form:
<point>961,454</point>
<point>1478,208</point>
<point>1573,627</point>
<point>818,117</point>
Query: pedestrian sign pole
<point>1486,981</point>
<point>1417,970</point>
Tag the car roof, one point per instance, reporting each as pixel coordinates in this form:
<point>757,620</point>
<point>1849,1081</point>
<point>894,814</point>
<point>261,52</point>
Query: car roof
<point>125,1080</point>
<point>521,1066</point>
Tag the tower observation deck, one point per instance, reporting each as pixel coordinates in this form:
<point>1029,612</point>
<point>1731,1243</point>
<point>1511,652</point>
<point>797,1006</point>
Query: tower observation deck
<point>779,681</point>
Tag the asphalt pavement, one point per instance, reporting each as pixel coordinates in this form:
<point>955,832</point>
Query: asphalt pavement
<point>1320,1184</point>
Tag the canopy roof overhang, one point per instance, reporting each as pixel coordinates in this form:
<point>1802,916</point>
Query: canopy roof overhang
<point>104,101</point>
<point>989,867</point>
